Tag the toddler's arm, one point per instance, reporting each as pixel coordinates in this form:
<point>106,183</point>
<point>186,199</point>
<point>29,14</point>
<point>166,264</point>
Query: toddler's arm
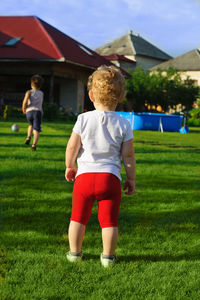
<point>25,101</point>
<point>72,149</point>
<point>128,156</point>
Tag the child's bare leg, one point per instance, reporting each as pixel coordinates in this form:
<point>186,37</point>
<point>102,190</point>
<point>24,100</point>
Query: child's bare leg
<point>76,233</point>
<point>36,137</point>
<point>109,237</point>
<point>30,131</point>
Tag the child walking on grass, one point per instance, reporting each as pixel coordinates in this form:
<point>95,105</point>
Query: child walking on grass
<point>98,140</point>
<point>32,107</point>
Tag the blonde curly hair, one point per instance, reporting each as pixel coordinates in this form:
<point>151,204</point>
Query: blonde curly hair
<point>108,85</point>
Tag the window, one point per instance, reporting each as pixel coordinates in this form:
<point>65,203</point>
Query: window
<point>12,42</point>
<point>86,50</point>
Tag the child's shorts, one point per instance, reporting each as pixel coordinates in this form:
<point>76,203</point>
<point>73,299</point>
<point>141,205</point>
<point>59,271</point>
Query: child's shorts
<point>103,187</point>
<point>34,118</point>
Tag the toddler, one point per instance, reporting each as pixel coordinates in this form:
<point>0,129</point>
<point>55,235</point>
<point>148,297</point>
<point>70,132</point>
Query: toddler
<point>32,107</point>
<point>98,140</point>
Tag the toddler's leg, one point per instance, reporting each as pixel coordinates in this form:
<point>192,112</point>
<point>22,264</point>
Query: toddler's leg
<point>109,237</point>
<point>36,137</point>
<point>29,134</point>
<point>37,119</point>
<point>30,131</point>
<point>76,233</point>
<point>82,203</point>
<point>109,190</point>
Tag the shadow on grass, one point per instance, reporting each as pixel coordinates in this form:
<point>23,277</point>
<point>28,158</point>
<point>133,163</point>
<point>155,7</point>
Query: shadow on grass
<point>148,257</point>
<point>67,136</point>
<point>55,146</point>
<point>40,146</point>
<point>163,182</point>
<point>164,144</point>
<point>22,157</point>
<point>194,131</point>
<point>160,258</point>
<point>168,145</point>
<point>41,173</point>
<point>172,162</point>
<point>13,134</point>
<point>154,150</point>
<point>47,217</point>
<point>20,134</point>
<point>19,146</point>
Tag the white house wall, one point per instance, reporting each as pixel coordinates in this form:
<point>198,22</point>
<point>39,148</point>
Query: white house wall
<point>127,65</point>
<point>143,61</point>
<point>146,62</point>
<point>194,75</point>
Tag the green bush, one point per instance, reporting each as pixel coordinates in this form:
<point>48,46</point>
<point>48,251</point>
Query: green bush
<point>12,112</point>
<point>160,88</point>
<point>51,111</point>
<point>193,122</point>
<point>194,119</point>
<point>195,113</point>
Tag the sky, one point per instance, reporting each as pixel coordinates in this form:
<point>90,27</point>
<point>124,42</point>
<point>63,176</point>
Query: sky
<point>171,25</point>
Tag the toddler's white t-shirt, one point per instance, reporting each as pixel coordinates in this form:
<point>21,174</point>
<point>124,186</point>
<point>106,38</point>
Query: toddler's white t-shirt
<point>102,134</point>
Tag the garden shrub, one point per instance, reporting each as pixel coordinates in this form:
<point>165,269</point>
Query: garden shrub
<point>12,112</point>
<point>51,111</point>
<point>194,115</point>
<point>194,119</point>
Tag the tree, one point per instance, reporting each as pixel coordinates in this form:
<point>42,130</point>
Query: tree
<point>164,88</point>
<point>137,89</point>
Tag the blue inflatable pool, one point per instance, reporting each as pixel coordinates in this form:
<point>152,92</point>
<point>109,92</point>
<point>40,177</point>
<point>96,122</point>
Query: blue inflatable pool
<point>153,121</point>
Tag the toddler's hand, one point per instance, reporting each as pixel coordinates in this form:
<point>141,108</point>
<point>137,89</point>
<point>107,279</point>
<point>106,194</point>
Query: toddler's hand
<point>70,174</point>
<point>130,185</point>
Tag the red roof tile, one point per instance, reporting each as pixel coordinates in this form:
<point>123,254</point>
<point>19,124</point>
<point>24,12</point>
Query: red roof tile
<point>41,41</point>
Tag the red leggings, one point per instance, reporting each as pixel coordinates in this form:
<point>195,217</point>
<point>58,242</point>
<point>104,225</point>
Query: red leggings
<point>103,187</point>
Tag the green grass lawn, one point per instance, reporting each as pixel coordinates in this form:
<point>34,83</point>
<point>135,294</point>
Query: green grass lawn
<point>159,226</point>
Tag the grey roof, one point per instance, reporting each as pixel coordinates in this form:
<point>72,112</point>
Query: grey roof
<point>189,61</point>
<point>132,44</point>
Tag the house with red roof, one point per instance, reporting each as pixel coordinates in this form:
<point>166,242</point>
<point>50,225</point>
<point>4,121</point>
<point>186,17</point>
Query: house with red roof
<point>131,51</point>
<point>29,46</point>
<point>122,61</point>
